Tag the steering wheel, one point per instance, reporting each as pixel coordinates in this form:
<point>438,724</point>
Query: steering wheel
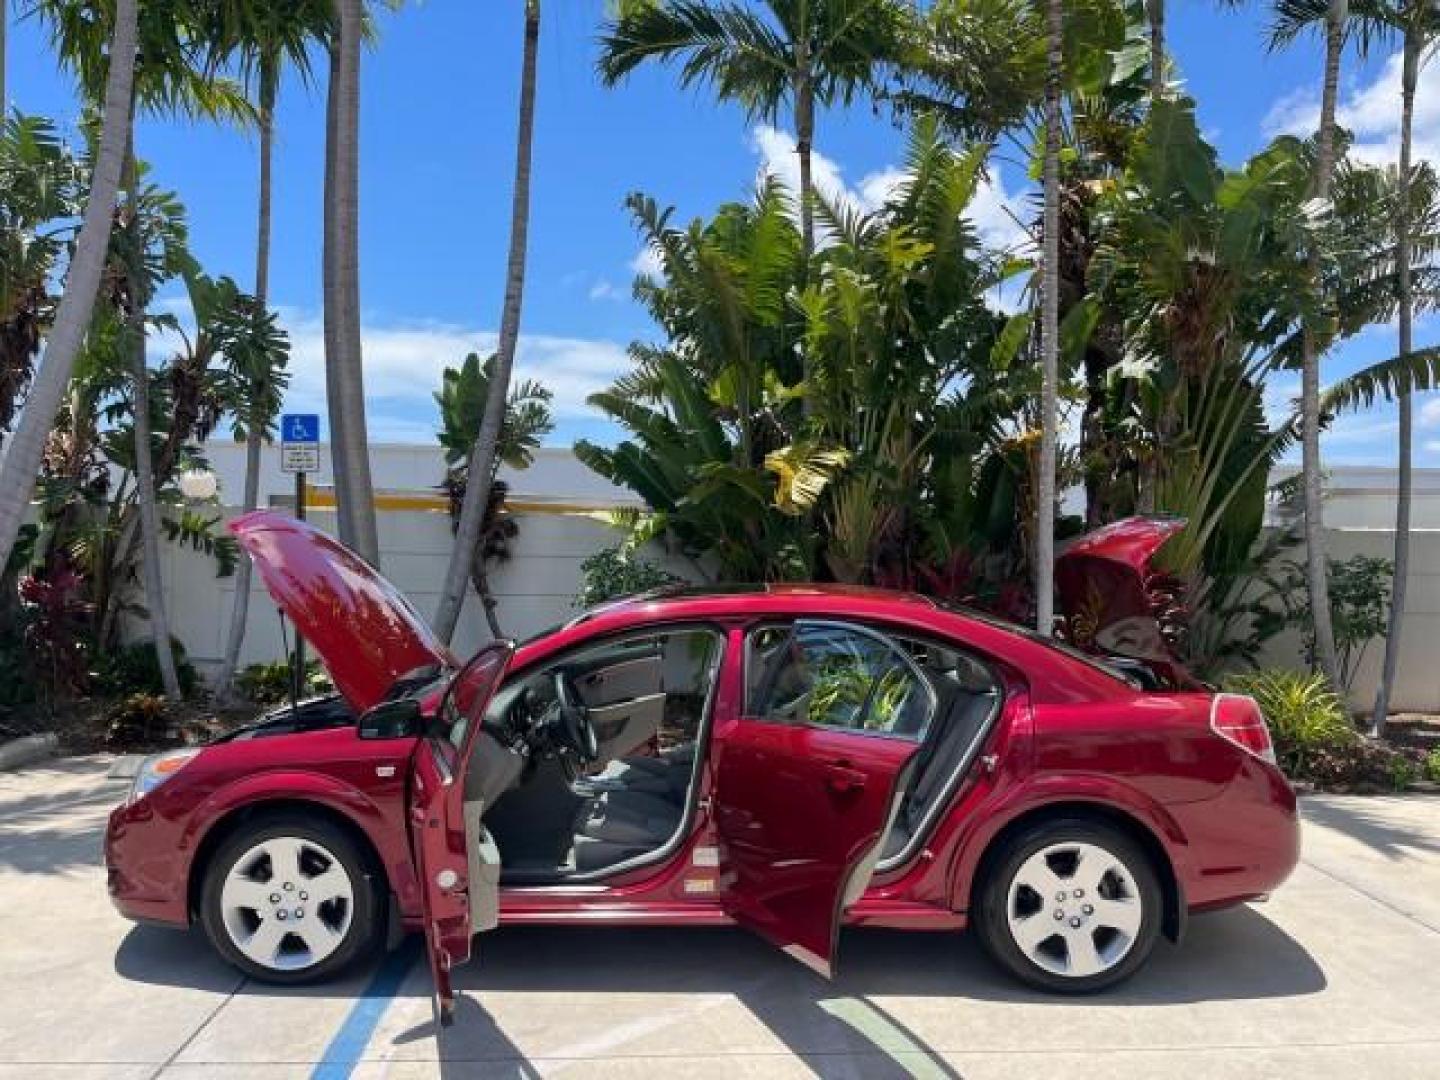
<point>575,729</point>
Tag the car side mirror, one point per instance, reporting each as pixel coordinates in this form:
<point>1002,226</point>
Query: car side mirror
<point>399,719</point>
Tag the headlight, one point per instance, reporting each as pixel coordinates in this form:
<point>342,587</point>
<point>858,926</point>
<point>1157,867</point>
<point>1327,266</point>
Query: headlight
<point>157,768</point>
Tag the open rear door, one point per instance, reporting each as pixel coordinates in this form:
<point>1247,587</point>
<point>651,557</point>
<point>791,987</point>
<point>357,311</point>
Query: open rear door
<point>801,814</point>
<point>437,816</point>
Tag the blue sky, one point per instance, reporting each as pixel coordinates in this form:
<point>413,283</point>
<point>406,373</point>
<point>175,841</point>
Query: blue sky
<point>438,102</point>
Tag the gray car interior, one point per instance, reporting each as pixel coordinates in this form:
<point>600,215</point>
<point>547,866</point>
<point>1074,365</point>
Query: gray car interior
<point>646,697</point>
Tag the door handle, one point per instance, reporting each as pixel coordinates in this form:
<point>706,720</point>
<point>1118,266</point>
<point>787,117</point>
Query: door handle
<point>843,777</point>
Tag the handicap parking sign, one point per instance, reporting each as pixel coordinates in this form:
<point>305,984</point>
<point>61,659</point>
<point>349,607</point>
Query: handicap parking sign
<point>300,443</point>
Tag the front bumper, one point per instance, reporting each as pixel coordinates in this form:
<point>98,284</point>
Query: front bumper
<point>145,866</point>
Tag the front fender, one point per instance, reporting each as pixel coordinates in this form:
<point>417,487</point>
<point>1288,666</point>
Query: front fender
<point>1107,792</point>
<point>300,786</point>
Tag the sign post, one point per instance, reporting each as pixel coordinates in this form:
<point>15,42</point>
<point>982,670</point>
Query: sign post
<point>299,454</point>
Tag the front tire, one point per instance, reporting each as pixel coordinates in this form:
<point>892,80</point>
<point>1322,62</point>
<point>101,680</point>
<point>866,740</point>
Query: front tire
<point>291,899</point>
<point>1071,906</point>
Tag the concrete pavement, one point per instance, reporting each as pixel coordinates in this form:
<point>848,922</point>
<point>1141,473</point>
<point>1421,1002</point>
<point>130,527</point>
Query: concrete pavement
<point>1337,977</point>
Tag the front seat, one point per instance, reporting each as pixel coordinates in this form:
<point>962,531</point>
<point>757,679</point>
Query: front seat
<point>617,825</point>
<point>665,776</point>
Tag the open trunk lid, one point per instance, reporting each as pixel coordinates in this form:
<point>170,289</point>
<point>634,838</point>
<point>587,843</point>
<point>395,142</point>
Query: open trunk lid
<point>363,629</point>
<point>1114,601</point>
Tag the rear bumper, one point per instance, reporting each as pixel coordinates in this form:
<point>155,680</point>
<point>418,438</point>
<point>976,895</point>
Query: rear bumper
<point>1244,843</point>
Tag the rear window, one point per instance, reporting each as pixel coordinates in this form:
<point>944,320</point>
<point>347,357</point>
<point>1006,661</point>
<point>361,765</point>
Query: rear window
<point>1090,660</point>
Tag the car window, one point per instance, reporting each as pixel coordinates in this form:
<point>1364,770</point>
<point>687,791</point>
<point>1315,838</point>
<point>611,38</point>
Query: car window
<point>836,676</point>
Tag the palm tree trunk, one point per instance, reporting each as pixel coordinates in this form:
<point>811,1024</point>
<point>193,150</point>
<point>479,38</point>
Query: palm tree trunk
<point>240,606</point>
<point>1410,74</point>
<point>804,146</point>
<point>344,363</point>
<point>1155,11</point>
<point>1049,332</point>
<point>140,409</point>
<point>481,469</point>
<point>1315,554</point>
<point>26,447</point>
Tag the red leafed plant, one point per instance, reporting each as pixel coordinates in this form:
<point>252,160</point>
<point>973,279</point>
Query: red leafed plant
<point>55,613</point>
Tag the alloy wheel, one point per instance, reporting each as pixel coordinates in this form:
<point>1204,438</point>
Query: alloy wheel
<point>1074,909</point>
<point>287,903</point>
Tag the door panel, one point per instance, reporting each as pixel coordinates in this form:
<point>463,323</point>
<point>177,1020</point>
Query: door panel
<point>621,680</point>
<point>438,832</point>
<point>622,727</point>
<point>800,812</point>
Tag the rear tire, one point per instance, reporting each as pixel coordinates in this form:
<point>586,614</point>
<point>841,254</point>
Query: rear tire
<point>1070,905</point>
<point>292,899</point>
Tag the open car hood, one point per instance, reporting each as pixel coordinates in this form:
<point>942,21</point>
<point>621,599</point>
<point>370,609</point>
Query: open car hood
<point>366,633</point>
<point>1111,596</point>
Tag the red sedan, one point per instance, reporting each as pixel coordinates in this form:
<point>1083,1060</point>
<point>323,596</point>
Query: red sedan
<point>788,758</point>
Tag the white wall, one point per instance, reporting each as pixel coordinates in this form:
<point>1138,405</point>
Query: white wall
<point>537,587</point>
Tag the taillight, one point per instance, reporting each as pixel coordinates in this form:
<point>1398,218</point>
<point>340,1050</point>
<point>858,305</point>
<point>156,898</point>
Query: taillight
<point>1238,719</point>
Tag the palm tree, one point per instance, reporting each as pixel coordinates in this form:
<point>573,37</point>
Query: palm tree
<point>1049,326</point>
<point>1155,14</point>
<point>21,464</point>
<point>262,38</point>
<point>139,291</point>
<point>166,79</point>
<point>344,363</point>
<point>1292,17</point>
<point>482,456</point>
<point>462,398</point>
<point>1419,23</point>
<point>806,53</point>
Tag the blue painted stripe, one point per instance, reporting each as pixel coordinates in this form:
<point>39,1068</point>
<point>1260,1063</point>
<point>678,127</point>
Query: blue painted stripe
<point>346,1048</point>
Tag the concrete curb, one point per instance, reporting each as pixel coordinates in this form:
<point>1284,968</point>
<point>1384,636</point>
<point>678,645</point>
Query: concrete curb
<point>28,750</point>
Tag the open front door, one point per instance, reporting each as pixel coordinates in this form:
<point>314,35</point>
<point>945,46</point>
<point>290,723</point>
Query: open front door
<point>437,816</point>
<point>809,778</point>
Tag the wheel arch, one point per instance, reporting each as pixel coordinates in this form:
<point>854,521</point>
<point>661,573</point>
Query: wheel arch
<point>257,810</point>
<point>1103,812</point>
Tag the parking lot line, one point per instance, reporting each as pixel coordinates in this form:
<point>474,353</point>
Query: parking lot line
<point>350,1041</point>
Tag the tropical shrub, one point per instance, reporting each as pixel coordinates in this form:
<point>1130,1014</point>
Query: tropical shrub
<point>1306,718</point>
<point>134,669</point>
<point>269,683</point>
<point>136,722</point>
<point>1316,743</point>
<point>1363,765</point>
<point>1432,766</point>
<point>617,571</point>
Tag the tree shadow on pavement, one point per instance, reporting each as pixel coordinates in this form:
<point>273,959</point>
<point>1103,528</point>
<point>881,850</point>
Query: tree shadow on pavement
<point>51,833</point>
<point>1367,822</point>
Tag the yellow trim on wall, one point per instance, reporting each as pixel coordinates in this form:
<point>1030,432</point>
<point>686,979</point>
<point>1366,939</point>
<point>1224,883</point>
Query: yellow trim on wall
<point>324,499</point>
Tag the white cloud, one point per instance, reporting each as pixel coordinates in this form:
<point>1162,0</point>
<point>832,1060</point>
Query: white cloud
<point>779,158</point>
<point>605,289</point>
<point>1429,415</point>
<point>1371,112</point>
<point>404,362</point>
<point>647,263</point>
<point>995,212</point>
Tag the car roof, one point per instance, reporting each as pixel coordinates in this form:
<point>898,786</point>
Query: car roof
<point>747,597</point>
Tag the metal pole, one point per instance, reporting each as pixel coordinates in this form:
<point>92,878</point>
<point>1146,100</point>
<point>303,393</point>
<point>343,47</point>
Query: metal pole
<point>297,673</point>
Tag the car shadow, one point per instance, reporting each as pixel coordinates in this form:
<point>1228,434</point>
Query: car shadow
<point>835,1027</point>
